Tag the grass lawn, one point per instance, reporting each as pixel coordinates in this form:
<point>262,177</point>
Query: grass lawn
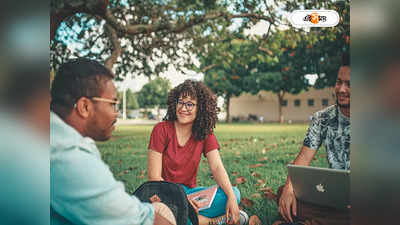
<point>254,155</point>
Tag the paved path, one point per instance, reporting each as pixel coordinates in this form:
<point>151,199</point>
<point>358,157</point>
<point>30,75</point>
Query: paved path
<point>135,121</point>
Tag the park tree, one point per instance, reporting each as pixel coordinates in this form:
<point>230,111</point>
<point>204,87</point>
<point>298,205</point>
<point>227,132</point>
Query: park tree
<point>226,66</point>
<point>279,66</point>
<point>131,99</point>
<point>144,37</point>
<point>154,94</point>
<point>325,44</point>
<point>278,62</point>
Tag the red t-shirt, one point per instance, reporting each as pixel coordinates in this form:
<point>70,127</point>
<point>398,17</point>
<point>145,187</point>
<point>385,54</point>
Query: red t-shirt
<point>179,163</point>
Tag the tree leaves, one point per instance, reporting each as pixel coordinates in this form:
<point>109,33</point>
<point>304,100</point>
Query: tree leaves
<point>255,174</point>
<point>247,202</point>
<point>154,93</point>
<point>241,180</point>
<point>255,165</point>
<point>254,220</point>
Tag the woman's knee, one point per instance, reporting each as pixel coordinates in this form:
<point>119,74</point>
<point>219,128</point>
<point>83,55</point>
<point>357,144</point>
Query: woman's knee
<point>237,193</point>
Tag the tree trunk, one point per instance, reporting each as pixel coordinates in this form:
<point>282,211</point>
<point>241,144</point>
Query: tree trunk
<point>158,113</point>
<point>228,103</point>
<point>280,95</point>
<point>124,104</point>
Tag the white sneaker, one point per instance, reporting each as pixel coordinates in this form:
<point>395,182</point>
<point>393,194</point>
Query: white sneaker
<point>243,219</point>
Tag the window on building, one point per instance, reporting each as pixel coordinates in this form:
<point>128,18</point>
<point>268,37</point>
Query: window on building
<point>284,102</point>
<point>297,102</point>
<point>310,102</point>
<point>325,102</point>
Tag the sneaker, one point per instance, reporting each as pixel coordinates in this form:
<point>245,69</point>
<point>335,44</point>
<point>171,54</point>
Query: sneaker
<point>288,223</point>
<point>243,219</point>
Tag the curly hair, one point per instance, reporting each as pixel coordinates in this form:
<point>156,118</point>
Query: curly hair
<point>207,109</point>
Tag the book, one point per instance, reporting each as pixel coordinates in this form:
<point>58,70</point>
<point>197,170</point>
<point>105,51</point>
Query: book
<point>204,198</point>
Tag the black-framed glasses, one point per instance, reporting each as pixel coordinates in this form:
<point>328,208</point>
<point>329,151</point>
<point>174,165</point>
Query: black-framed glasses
<point>188,105</point>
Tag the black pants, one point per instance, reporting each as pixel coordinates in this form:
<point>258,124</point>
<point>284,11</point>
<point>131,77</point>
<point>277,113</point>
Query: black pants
<point>319,215</point>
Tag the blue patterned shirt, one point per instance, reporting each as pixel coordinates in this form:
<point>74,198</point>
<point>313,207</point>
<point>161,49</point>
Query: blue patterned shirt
<point>331,128</point>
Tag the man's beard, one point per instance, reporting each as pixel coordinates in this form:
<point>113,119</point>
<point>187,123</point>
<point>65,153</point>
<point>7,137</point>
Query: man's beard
<point>342,105</point>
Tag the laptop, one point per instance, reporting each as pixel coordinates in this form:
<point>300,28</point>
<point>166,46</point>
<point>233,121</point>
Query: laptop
<point>321,186</point>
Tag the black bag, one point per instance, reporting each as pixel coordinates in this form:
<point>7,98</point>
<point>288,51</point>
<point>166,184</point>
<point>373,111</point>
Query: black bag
<point>173,196</point>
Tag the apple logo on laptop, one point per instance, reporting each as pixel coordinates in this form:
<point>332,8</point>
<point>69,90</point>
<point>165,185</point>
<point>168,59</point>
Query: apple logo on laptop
<point>320,188</point>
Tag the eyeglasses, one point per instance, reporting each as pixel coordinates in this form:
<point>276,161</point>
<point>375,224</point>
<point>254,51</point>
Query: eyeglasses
<point>114,103</point>
<point>189,105</point>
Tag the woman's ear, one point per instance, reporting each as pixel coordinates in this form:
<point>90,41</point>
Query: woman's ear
<point>84,107</point>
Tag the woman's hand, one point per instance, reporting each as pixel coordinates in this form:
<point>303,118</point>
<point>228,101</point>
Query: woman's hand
<point>195,206</point>
<point>232,211</point>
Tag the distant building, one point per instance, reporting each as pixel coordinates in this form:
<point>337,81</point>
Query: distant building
<point>295,108</point>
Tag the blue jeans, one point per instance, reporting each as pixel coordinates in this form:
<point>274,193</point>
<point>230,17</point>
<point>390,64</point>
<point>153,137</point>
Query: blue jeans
<point>218,207</point>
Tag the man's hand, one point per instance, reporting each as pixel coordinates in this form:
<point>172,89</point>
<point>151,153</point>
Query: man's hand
<point>160,220</point>
<point>287,203</point>
<point>163,215</point>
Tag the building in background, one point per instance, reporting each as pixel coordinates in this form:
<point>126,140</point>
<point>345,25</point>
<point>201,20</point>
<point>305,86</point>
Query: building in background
<point>295,108</point>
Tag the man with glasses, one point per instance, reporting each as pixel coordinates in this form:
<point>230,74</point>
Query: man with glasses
<point>84,109</point>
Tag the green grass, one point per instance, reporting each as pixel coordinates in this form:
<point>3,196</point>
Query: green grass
<point>271,145</point>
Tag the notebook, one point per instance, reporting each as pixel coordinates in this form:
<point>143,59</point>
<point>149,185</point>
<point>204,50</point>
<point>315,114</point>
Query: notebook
<point>204,197</point>
<point>321,186</point>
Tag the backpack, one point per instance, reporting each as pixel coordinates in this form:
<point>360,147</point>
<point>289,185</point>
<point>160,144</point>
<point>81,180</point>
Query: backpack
<point>172,195</point>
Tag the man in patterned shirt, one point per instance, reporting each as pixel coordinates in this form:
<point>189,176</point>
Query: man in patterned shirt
<point>331,127</point>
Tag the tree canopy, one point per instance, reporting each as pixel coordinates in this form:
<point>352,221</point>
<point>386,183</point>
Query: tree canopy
<point>144,37</point>
<point>154,93</point>
<point>278,63</point>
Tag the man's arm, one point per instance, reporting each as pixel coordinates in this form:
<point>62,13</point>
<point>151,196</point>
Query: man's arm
<point>84,191</point>
<point>287,201</point>
<point>304,157</point>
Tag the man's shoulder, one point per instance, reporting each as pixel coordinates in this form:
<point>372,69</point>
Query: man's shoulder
<point>329,112</point>
<point>63,137</point>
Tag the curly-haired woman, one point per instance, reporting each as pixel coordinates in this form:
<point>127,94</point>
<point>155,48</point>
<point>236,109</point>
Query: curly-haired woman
<point>176,146</point>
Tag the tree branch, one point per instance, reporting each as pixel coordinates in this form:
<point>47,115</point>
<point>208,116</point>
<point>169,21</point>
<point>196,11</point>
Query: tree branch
<point>61,9</point>
<point>116,47</point>
<point>176,27</point>
<point>205,69</point>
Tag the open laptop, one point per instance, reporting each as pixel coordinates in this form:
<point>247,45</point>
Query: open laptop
<point>321,186</point>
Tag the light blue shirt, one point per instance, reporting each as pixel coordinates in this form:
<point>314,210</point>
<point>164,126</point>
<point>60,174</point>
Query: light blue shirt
<point>83,189</point>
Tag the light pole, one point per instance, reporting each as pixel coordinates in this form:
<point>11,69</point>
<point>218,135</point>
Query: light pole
<point>124,88</point>
<point>124,102</point>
